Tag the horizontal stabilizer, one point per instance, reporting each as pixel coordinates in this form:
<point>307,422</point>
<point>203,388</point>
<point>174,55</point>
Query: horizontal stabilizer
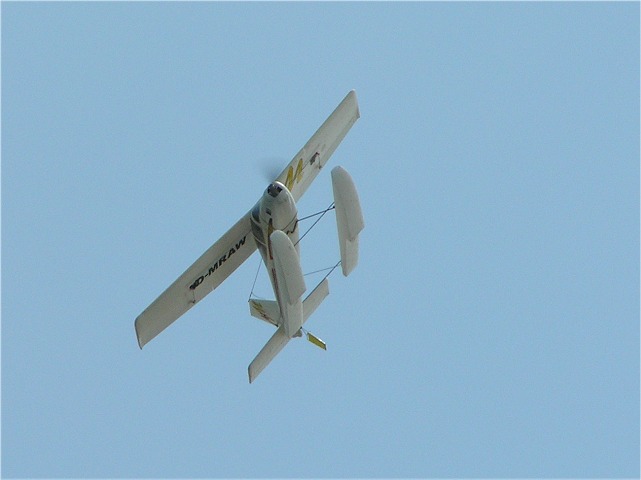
<point>349,218</point>
<point>315,298</point>
<point>276,343</point>
<point>267,354</point>
<point>266,310</point>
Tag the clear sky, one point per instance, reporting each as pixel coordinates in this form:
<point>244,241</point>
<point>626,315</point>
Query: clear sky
<point>492,325</point>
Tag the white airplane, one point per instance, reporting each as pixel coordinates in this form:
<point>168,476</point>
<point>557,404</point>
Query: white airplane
<point>271,226</point>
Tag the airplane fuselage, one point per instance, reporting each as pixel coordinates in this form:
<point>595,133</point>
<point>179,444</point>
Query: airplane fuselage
<point>276,210</point>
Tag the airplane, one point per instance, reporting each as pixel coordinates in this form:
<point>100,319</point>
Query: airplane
<point>271,226</point>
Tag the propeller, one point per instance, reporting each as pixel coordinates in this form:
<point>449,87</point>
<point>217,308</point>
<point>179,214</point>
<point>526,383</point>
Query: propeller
<point>270,167</point>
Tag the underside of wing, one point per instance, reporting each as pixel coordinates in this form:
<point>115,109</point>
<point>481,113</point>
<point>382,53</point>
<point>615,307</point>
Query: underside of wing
<point>209,271</point>
<point>304,167</point>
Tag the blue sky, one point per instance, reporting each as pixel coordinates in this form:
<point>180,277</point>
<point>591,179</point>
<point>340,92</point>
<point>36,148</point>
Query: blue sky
<point>492,325</point>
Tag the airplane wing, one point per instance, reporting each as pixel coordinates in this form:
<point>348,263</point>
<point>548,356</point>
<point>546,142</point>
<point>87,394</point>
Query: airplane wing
<point>304,167</point>
<point>209,271</point>
<point>228,253</point>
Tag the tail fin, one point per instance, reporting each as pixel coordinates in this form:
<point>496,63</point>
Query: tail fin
<point>276,343</point>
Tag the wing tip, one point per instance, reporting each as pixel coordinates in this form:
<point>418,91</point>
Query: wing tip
<point>352,94</point>
<point>141,343</point>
